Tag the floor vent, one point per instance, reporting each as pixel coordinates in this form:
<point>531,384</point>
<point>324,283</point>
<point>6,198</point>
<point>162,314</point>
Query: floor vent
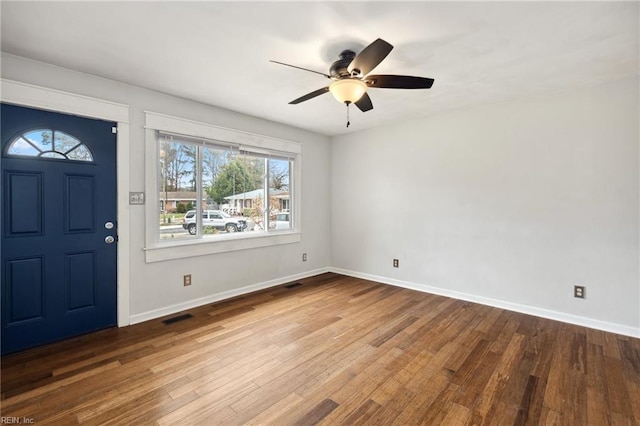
<point>176,319</point>
<point>293,285</point>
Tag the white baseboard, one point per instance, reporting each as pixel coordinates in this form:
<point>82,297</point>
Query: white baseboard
<point>179,307</point>
<point>524,309</point>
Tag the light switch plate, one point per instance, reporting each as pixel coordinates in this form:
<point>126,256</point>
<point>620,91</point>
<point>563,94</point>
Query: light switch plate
<point>136,198</point>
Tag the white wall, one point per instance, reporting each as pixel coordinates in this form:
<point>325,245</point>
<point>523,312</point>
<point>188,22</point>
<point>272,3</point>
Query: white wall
<point>509,204</point>
<point>156,288</point>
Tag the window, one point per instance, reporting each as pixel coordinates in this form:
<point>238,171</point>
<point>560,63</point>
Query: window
<point>236,190</point>
<point>218,189</point>
<point>46,143</point>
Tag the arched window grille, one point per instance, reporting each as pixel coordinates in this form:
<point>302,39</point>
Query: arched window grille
<point>47,143</point>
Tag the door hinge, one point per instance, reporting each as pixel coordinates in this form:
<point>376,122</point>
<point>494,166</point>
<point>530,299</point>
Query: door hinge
<point>114,130</point>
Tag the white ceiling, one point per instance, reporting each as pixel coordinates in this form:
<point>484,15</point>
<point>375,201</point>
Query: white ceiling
<point>218,52</point>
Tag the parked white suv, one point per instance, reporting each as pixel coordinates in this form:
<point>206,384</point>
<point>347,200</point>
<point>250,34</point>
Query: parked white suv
<point>282,221</point>
<point>213,219</point>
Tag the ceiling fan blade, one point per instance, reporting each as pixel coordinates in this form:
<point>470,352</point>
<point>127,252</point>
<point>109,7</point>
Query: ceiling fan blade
<point>364,103</point>
<point>300,68</point>
<point>398,82</point>
<point>370,57</point>
<point>309,96</point>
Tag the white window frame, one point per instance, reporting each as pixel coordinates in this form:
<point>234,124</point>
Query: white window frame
<point>157,250</point>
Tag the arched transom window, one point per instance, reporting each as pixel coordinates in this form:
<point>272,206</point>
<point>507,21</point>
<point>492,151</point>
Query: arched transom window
<point>45,143</point>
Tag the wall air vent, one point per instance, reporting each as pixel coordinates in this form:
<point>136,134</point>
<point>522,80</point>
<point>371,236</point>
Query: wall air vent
<point>292,285</point>
<point>176,319</point>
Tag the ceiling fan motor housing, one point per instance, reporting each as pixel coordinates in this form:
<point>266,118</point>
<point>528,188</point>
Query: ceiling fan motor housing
<point>338,69</point>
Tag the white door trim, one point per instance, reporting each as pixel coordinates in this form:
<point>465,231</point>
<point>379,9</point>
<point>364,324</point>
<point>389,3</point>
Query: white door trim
<point>23,94</point>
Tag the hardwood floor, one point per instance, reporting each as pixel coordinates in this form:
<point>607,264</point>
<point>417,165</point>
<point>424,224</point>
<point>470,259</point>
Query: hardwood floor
<point>334,350</point>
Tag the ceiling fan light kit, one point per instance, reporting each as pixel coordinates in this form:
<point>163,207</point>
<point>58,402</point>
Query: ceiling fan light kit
<point>349,90</point>
<point>351,77</point>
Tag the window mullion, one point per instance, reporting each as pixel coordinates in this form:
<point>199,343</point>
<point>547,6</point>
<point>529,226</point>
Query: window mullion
<point>199,205</point>
<point>267,201</point>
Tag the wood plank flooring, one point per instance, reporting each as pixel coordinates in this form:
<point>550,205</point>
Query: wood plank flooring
<point>334,350</point>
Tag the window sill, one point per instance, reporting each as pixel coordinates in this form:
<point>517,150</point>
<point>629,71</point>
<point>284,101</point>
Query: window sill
<point>183,249</point>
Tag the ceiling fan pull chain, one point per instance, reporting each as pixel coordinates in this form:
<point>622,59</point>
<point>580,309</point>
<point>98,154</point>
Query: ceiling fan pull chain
<point>347,103</point>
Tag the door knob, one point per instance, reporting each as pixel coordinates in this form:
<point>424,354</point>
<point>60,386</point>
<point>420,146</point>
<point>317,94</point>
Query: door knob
<point>109,239</point>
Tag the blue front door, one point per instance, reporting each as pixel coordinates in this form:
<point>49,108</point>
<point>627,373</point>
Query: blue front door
<point>58,214</point>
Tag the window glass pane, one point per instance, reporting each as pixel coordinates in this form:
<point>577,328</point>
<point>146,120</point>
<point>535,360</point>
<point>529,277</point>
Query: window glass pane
<point>232,184</point>
<point>39,143</point>
<point>64,142</point>
<point>177,179</point>
<point>253,201</point>
<point>52,154</point>
<point>279,193</point>
<point>42,139</point>
<point>80,153</point>
<point>209,190</point>
<point>22,147</point>
<point>214,160</point>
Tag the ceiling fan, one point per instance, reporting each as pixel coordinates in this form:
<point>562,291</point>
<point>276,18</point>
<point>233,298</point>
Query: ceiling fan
<point>352,79</point>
